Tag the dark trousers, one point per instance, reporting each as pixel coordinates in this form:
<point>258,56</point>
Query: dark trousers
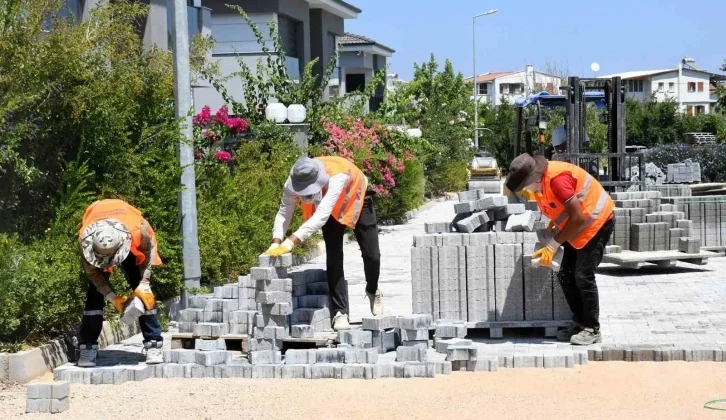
<point>577,277</point>
<point>366,233</point>
<point>92,322</point>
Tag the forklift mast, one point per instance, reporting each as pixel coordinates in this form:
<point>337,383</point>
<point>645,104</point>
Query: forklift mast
<point>605,93</point>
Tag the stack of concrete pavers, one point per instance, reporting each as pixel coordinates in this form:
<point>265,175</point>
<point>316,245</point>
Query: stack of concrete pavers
<point>477,211</point>
<point>672,190</point>
<point>274,305</point>
<point>233,309</point>
<point>708,214</point>
<point>229,310</point>
<point>683,173</point>
<point>310,302</point>
<point>48,397</point>
<point>644,224</point>
<point>384,333</point>
<point>483,277</point>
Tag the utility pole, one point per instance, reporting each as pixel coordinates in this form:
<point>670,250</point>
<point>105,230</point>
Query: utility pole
<point>188,196</point>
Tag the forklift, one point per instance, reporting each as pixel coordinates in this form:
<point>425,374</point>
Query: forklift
<point>611,168</point>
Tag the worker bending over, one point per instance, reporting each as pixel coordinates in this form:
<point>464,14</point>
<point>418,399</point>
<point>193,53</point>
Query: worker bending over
<point>333,195</point>
<point>581,215</point>
<point>114,233</point>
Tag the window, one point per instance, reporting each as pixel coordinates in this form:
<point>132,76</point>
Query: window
<point>689,110</point>
<point>700,86</point>
<point>503,88</point>
<point>700,109</point>
<point>635,85</point>
<point>516,88</point>
<point>288,35</point>
<point>551,87</point>
<point>671,86</point>
<point>691,87</point>
<point>661,85</point>
<point>482,88</point>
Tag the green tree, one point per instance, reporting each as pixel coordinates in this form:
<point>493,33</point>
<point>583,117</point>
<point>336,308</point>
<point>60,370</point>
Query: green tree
<point>438,101</point>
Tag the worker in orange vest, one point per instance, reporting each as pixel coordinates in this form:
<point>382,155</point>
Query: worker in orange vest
<point>333,195</point>
<point>581,219</point>
<point>115,233</point>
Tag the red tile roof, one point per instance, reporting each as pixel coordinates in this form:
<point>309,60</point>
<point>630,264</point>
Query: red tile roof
<point>488,77</point>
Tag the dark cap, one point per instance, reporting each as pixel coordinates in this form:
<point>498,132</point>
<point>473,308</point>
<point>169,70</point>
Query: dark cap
<point>525,170</point>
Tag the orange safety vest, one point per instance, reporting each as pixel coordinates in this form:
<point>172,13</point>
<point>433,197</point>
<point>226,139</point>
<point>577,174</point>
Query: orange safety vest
<point>597,205</point>
<point>350,203</point>
<point>126,214</point>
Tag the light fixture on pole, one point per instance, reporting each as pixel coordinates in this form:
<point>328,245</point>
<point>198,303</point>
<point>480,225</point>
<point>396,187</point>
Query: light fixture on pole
<point>476,97</point>
<point>191,270</point>
<point>595,67</point>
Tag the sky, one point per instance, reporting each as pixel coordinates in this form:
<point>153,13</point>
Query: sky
<point>620,35</point>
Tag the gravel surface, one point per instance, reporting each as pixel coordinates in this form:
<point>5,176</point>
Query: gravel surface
<point>606,390</point>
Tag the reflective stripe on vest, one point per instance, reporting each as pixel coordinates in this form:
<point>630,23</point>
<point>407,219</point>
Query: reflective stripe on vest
<point>126,214</point>
<point>350,203</point>
<point>597,204</point>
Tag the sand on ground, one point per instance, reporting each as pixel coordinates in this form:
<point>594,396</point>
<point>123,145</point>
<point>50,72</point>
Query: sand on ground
<point>612,390</point>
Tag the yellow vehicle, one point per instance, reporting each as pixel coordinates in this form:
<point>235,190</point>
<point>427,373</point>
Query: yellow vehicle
<point>484,168</point>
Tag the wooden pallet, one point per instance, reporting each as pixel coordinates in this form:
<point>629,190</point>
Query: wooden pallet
<point>666,259</point>
<point>720,250</point>
<point>496,328</point>
<point>321,339</point>
<point>232,341</point>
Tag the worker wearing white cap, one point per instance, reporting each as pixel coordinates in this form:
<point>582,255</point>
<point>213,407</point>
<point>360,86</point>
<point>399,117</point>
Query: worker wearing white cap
<point>334,197</point>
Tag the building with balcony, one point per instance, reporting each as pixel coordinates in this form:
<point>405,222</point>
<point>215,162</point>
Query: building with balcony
<point>692,88</point>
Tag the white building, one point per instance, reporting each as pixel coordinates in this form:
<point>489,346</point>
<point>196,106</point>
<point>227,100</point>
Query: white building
<point>687,85</point>
<point>492,87</point>
<point>393,82</point>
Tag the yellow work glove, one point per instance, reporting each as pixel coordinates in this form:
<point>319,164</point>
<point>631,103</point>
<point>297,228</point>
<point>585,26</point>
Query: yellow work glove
<point>118,301</point>
<point>144,293</point>
<point>284,248</point>
<point>272,247</point>
<point>546,253</point>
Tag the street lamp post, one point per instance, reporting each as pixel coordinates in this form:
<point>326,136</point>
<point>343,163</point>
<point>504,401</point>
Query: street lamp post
<point>188,193</point>
<point>473,53</point>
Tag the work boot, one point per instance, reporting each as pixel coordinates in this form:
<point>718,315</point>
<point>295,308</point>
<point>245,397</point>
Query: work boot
<point>340,322</point>
<point>154,356</point>
<point>586,336</point>
<point>566,334</point>
<point>89,353</point>
<point>376,301</point>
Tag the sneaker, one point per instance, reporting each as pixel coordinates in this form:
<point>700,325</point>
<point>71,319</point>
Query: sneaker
<point>376,302</point>
<point>340,322</point>
<point>566,334</point>
<point>154,355</point>
<point>586,336</point>
<point>89,353</point>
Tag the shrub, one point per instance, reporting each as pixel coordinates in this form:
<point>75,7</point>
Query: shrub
<point>236,212</point>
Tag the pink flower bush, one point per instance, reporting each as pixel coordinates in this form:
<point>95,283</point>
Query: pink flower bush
<point>223,156</point>
<point>363,145</point>
<point>210,129</point>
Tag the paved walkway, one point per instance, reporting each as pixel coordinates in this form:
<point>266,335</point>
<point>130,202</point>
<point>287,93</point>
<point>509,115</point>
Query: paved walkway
<point>660,306</point>
<point>679,308</point>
